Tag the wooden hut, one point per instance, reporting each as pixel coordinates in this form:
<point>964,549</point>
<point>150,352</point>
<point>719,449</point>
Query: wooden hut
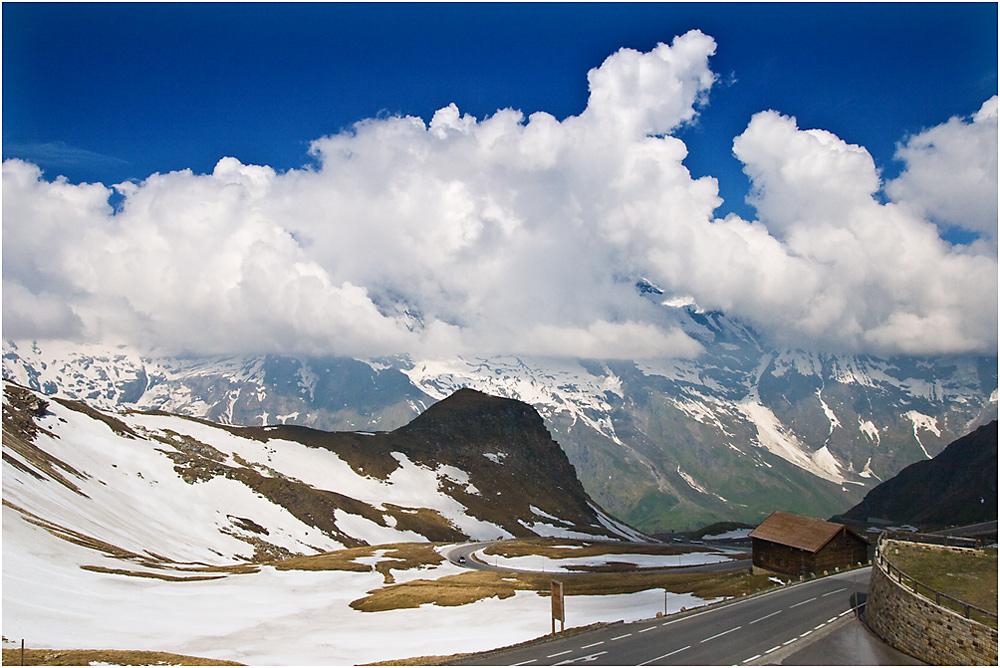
<point>798,546</point>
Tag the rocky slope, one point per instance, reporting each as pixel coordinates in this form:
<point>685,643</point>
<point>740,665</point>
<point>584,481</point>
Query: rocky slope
<point>664,444</point>
<point>957,487</point>
<point>156,489</point>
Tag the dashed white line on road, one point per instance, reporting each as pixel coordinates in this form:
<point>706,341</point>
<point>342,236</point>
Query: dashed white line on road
<point>722,634</point>
<point>525,663</point>
<point>593,644</point>
<point>808,600</point>
<point>773,649</point>
<point>835,591</point>
<point>624,636</point>
<point>755,656</point>
<point>789,642</point>
<point>817,628</point>
<point>648,628</point>
<point>832,619</point>
<point>760,619</point>
<point>552,656</point>
<point>803,635</point>
<point>646,663</point>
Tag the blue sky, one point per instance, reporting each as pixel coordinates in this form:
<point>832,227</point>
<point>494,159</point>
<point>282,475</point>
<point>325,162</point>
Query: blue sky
<point>439,179</point>
<point>109,92</point>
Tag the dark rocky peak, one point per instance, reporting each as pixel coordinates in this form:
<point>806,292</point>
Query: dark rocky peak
<point>508,453</point>
<point>473,417</point>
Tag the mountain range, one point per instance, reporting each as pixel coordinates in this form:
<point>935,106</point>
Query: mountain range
<point>666,444</point>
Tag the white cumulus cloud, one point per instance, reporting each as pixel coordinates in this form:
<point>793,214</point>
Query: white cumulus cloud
<point>505,234</point>
<point>951,172</point>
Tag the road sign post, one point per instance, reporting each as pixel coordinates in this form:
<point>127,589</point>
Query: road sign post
<point>558,607</point>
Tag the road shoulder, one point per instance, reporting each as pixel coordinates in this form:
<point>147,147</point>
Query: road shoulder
<point>845,642</point>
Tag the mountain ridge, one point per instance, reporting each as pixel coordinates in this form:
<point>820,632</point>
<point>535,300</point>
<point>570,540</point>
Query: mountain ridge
<point>958,486</point>
<point>155,489</point>
<point>664,444</point>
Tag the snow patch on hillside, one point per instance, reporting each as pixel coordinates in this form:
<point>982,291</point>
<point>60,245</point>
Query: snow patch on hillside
<point>869,429</point>
<point>924,422</point>
<point>830,415</point>
<point>410,485</point>
<point>773,436</point>
<point>700,410</point>
<point>778,440</point>
<point>693,484</point>
<point>617,528</point>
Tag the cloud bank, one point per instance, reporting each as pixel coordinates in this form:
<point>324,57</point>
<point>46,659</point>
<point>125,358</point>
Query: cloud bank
<point>522,235</point>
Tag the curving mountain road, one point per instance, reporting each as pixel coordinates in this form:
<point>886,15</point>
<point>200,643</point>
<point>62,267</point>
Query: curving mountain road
<point>738,632</point>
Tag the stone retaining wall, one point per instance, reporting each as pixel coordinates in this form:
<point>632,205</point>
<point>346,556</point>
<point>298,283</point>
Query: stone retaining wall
<point>921,628</point>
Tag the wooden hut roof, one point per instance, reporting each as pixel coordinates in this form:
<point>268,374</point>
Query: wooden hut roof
<point>803,533</point>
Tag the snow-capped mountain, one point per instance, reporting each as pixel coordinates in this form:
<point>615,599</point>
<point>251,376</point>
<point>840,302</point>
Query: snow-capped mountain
<point>663,444</point>
<point>154,489</point>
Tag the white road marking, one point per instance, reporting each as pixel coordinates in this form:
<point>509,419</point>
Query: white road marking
<point>646,663</point>
<point>773,649</point>
<point>552,656</point>
<point>593,644</point>
<point>588,658</point>
<point>803,635</point>
<point>760,619</point>
<point>648,628</point>
<point>755,656</point>
<point>624,636</point>
<point>525,663</point>
<point>808,600</point>
<point>835,591</point>
<point>721,634</point>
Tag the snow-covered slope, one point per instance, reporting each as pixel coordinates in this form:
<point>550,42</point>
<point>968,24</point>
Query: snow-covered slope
<point>664,444</point>
<point>155,532</point>
<point>168,490</point>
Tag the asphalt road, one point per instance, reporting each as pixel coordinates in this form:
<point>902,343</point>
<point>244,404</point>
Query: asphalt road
<point>461,555</point>
<point>742,631</point>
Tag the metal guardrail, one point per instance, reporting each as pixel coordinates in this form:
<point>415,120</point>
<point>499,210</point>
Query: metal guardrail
<point>934,539</point>
<point>939,597</point>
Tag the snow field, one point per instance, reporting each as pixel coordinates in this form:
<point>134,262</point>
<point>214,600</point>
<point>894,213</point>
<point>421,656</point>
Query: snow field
<point>140,504</point>
<point>269,617</point>
<point>729,535</point>
<point>410,485</point>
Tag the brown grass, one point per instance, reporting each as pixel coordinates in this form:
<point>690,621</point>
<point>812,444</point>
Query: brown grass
<point>83,657</point>
<point>968,575</point>
<point>398,556</point>
<point>562,548</point>
<point>472,586</point>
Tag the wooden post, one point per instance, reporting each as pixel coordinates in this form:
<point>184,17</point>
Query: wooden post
<point>558,607</point>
